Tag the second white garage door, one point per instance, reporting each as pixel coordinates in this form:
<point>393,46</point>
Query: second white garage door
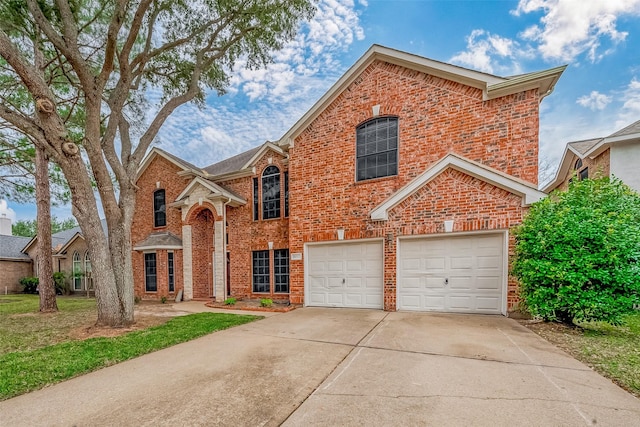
<point>452,274</point>
<point>345,275</point>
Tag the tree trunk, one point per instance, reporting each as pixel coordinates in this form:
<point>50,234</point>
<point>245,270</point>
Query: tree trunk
<point>46,286</point>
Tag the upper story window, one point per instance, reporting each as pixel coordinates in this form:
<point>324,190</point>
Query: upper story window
<point>271,193</point>
<point>159,209</point>
<point>377,148</point>
<point>578,164</point>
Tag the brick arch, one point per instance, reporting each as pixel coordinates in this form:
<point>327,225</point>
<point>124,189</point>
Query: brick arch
<point>196,209</point>
<point>202,220</point>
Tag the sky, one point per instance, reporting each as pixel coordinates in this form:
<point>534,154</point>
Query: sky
<point>598,94</point>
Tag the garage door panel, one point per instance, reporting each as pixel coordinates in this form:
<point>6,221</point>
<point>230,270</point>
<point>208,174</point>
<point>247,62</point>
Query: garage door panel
<point>433,302</point>
<point>461,262</point>
<point>459,283</point>
<point>473,265</point>
<point>486,303</point>
<point>346,274</point>
<point>489,283</point>
<point>434,282</point>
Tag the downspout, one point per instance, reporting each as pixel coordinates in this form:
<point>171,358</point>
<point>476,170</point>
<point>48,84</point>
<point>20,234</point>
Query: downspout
<point>224,245</point>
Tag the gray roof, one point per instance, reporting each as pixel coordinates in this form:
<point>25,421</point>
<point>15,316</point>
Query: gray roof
<point>232,164</point>
<point>159,240</point>
<point>178,160</point>
<point>11,247</point>
<point>61,238</point>
<point>584,146</point>
<point>629,130</point>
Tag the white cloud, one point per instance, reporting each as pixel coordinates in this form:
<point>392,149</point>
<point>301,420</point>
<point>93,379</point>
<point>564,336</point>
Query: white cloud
<point>630,111</point>
<point>301,73</point>
<point>595,101</point>
<point>334,27</point>
<point>490,53</point>
<point>6,210</point>
<point>570,28</point>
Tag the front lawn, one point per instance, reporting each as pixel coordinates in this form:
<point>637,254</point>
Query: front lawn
<point>46,354</point>
<point>613,351</point>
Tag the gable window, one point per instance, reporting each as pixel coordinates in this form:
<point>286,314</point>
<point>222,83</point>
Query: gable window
<point>578,164</point>
<point>261,271</point>
<point>584,174</point>
<point>281,270</point>
<point>377,148</point>
<point>170,272</point>
<point>150,272</point>
<point>271,193</point>
<point>77,272</point>
<point>159,209</point>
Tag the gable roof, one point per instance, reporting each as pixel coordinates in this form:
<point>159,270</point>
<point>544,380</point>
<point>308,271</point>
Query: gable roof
<point>232,164</point>
<point>62,239</point>
<point>216,189</point>
<point>493,176</point>
<point>155,151</point>
<point>591,148</point>
<point>11,247</point>
<point>491,86</point>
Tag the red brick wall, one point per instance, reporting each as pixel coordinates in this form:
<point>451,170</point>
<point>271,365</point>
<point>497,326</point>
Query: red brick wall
<point>247,235</point>
<point>165,172</point>
<point>436,117</point>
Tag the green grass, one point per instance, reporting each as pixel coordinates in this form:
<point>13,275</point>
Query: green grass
<point>28,366</point>
<point>23,328</point>
<point>614,351</point>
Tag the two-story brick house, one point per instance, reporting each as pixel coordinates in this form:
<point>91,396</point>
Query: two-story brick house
<point>396,190</point>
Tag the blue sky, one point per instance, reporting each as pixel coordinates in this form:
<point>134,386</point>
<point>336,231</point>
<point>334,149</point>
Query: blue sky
<point>598,94</point>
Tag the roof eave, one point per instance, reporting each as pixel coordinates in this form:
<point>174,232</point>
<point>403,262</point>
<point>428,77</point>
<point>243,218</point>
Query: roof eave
<point>544,81</point>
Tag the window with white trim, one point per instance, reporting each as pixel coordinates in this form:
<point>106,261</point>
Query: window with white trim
<point>377,148</point>
<point>159,208</point>
<point>271,193</point>
<point>150,272</point>
<point>77,272</point>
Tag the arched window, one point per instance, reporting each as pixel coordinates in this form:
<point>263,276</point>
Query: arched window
<point>88,280</point>
<point>78,273</point>
<point>271,193</point>
<point>159,209</point>
<point>578,164</point>
<point>377,148</point>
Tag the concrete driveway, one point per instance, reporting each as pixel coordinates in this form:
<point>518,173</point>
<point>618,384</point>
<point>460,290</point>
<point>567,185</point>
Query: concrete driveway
<point>333,367</point>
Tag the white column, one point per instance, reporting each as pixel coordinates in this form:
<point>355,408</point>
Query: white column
<point>187,263</point>
<point>219,257</point>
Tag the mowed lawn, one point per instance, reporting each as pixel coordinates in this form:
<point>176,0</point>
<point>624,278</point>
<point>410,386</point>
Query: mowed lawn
<point>613,351</point>
<point>37,350</point>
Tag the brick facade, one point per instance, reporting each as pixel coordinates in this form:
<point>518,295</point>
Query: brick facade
<point>436,117</point>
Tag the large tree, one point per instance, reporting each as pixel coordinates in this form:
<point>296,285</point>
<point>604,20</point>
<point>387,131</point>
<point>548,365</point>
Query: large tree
<point>86,71</point>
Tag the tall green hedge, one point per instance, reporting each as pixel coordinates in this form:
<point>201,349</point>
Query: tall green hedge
<point>578,253</point>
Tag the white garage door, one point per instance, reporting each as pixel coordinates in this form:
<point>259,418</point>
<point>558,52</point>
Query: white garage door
<point>452,274</point>
<point>345,275</point>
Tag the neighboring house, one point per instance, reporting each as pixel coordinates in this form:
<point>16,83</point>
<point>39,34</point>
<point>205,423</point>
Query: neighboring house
<point>397,190</point>
<point>615,155</point>
<point>70,256</point>
<point>14,265</point>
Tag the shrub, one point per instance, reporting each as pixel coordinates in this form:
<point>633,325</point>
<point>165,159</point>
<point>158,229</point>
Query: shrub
<point>62,287</point>
<point>230,301</point>
<point>29,285</point>
<point>163,299</point>
<point>577,253</point>
<point>266,302</point>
